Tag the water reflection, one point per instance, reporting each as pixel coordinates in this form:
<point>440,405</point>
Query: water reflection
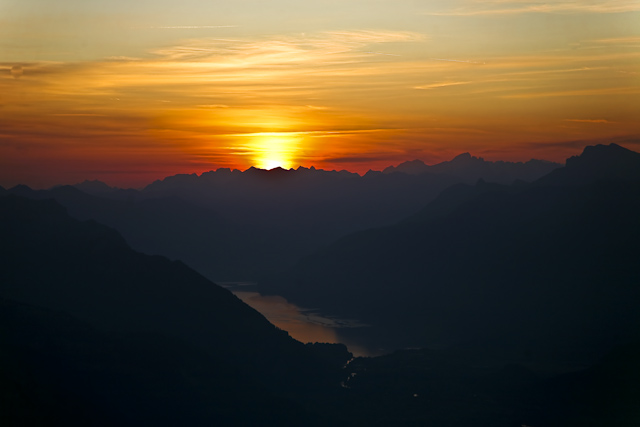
<point>302,324</point>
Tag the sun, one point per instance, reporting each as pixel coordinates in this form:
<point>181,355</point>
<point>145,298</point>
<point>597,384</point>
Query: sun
<point>272,150</point>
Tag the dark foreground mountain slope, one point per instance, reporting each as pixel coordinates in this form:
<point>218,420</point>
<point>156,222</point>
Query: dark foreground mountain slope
<point>449,388</point>
<point>540,272</point>
<point>57,370</point>
<point>148,331</point>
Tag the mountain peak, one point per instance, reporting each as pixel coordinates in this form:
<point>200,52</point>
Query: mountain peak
<point>466,158</point>
<point>411,167</point>
<point>463,156</point>
<point>596,163</point>
<point>608,151</point>
<point>604,157</point>
<point>93,186</point>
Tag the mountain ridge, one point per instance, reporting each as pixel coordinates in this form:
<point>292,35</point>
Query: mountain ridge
<point>87,270</point>
<point>447,275</point>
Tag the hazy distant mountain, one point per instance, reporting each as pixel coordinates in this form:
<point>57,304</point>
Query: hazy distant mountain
<point>94,187</point>
<point>87,271</point>
<point>411,167</point>
<point>544,271</point>
<point>292,212</point>
<point>168,226</point>
<point>232,225</point>
<point>469,169</point>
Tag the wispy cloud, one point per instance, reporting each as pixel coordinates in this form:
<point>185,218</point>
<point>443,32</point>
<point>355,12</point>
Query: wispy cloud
<point>587,120</point>
<point>578,92</point>
<point>318,133</point>
<point>78,115</point>
<point>513,7</point>
<point>343,94</point>
<point>286,48</point>
<point>441,84</point>
<point>381,53</point>
<point>457,60</point>
<point>193,27</point>
<point>618,40</point>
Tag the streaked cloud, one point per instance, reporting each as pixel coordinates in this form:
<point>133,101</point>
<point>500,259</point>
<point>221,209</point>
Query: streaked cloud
<point>333,98</point>
<point>587,120</point>
<point>323,47</point>
<point>441,84</point>
<point>618,40</point>
<point>513,7</point>
<point>457,60</point>
<point>579,92</point>
<point>193,27</point>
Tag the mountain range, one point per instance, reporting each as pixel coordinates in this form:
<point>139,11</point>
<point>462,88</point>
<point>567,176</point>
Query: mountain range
<point>102,326</point>
<point>235,226</point>
<point>469,169</point>
<point>524,296</point>
<point>542,271</point>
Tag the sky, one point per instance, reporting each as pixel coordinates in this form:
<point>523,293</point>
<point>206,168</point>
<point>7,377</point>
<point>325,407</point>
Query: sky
<point>132,91</point>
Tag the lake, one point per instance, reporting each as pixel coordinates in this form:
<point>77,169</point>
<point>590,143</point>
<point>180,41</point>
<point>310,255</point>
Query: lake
<point>303,324</point>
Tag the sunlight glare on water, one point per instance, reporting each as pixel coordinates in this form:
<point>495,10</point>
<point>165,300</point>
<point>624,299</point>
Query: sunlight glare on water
<point>303,325</point>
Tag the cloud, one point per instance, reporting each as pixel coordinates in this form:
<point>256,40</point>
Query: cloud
<point>292,49</point>
<point>456,60</point>
<point>619,40</point>
<point>313,133</point>
<point>587,120</point>
<point>356,159</point>
<point>629,140</point>
<point>381,53</point>
<point>17,71</point>
<point>441,84</point>
<point>332,93</point>
<point>625,90</point>
<point>77,115</point>
<point>194,27</point>
<point>511,7</point>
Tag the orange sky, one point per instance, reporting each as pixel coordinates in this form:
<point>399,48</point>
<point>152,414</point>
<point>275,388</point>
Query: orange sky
<point>137,90</point>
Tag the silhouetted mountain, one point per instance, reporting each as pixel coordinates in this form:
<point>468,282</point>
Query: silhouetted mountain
<point>231,225</point>
<point>606,394</point>
<point>539,272</point>
<point>461,388</point>
<point>57,370</point>
<point>94,187</point>
<point>168,226</point>
<point>469,169</point>
<point>411,167</point>
<point>151,342</point>
<point>292,212</point>
<point>153,307</point>
<point>597,163</point>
